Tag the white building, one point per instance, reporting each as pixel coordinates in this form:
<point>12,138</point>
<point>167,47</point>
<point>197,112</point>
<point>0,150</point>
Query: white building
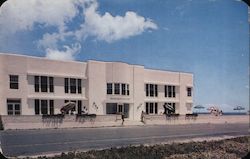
<point>36,86</point>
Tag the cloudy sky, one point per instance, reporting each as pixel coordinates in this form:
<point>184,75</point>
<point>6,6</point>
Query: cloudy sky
<point>206,37</point>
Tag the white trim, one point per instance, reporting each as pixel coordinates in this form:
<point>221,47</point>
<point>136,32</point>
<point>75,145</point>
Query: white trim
<point>55,75</point>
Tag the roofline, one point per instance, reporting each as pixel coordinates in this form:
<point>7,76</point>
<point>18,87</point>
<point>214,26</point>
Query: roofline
<point>85,62</point>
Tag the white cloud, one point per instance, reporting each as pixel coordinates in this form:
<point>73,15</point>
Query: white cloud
<point>111,28</point>
<point>67,53</point>
<point>16,15</point>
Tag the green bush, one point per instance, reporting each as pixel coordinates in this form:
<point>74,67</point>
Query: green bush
<point>1,123</point>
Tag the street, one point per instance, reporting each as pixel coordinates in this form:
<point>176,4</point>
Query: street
<point>47,141</point>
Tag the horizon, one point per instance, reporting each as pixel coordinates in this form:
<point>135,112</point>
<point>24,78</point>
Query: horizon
<point>208,38</point>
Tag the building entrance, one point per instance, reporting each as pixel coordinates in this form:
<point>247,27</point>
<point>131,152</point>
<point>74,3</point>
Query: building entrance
<point>115,108</point>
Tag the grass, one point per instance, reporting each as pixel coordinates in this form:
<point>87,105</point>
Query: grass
<point>223,149</point>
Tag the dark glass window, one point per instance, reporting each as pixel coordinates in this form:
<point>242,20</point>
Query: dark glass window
<point>36,83</point>
<point>117,88</point>
<point>147,90</point>
<point>189,91</point>
<point>37,106</point>
<point>169,91</point>
<point>166,90</point>
<point>79,107</point>
<point>123,89</point>
<point>72,85</point>
<point>156,108</point>
<point>151,108</point>
<point>109,88</point>
<point>79,86</point>
<point>13,107</point>
<point>66,85</point>
<point>13,81</point>
<point>44,106</point>
<point>173,91</point>
<point>151,90</point>
<point>156,90</point>
<point>51,107</point>
<point>147,108</point>
<point>128,89</point>
<point>51,84</point>
<point>44,84</point>
<point>111,108</point>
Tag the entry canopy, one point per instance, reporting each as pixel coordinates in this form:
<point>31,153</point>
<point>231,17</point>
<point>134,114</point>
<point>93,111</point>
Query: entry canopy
<point>67,107</point>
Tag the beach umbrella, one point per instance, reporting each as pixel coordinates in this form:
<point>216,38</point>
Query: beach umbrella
<point>199,107</point>
<point>239,108</point>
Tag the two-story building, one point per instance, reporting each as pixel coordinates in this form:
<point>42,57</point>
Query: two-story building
<point>36,86</point>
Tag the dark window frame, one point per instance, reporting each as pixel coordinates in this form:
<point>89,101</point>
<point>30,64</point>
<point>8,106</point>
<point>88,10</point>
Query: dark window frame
<point>14,81</point>
<point>123,85</point>
<point>51,84</point>
<point>117,88</point>
<point>109,88</point>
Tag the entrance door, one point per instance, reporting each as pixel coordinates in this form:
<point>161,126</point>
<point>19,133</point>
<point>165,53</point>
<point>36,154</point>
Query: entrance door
<point>123,108</point>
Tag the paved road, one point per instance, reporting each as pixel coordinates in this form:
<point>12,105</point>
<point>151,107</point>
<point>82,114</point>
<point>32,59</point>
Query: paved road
<point>35,142</point>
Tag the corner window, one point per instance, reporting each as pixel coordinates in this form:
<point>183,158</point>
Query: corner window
<point>189,92</point>
<point>13,107</point>
<point>13,81</point>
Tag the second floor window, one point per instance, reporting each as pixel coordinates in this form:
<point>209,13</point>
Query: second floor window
<point>117,88</point>
<point>72,85</point>
<point>109,88</point>
<point>43,84</point>
<point>13,81</point>
<point>152,90</point>
<point>170,91</point>
<point>189,92</point>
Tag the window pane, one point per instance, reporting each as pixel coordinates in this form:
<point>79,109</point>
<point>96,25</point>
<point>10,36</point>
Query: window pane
<point>117,88</point>
<point>147,89</point>
<point>169,91</point>
<point>44,107</point>
<point>166,90</point>
<point>173,91</point>
<point>37,107</point>
<point>147,108</point>
<point>151,90</point>
<point>109,88</point>
<point>51,84</point>
<point>72,85</point>
<point>51,107</point>
<point>111,108</point>
<point>151,109</point>
<point>189,92</point>
<point>44,84</point>
<point>79,107</point>
<point>79,85</point>
<point>156,90</point>
<point>13,82</point>
<point>128,89</point>
<point>156,108</point>
<point>123,89</point>
<point>66,85</point>
<point>36,78</point>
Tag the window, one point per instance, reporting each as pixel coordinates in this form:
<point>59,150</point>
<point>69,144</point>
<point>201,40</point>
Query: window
<point>51,84</point>
<point>66,85</point>
<point>44,84</point>
<point>37,107</point>
<point>13,81</point>
<point>109,88</point>
<point>189,91</point>
<point>79,86</point>
<point>151,90</point>
<point>170,91</point>
<point>36,83</point>
<point>13,107</point>
<point>79,107</point>
<point>123,89</point>
<point>111,108</point>
<point>44,106</point>
<point>51,107</point>
<point>72,85</point>
<point>117,88</point>
<point>128,89</point>
<point>151,108</point>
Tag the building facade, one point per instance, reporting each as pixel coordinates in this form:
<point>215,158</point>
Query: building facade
<point>36,86</point>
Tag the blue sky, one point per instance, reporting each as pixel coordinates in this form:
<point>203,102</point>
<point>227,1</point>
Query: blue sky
<point>209,38</point>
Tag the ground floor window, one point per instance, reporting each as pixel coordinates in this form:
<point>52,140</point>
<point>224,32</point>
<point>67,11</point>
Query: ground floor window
<point>169,108</point>
<point>115,108</point>
<point>151,108</point>
<point>44,107</point>
<point>14,106</point>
